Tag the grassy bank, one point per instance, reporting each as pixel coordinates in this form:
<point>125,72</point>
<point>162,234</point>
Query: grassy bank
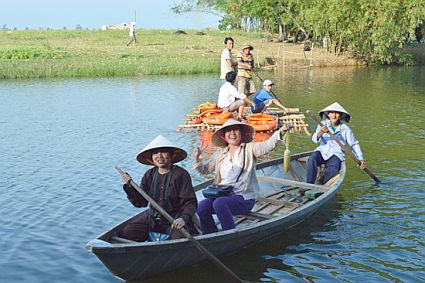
<point>88,53</point>
<point>85,53</point>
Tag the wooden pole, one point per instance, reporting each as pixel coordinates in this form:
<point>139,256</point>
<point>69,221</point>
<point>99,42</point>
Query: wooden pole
<point>258,76</point>
<point>347,151</point>
<point>198,245</point>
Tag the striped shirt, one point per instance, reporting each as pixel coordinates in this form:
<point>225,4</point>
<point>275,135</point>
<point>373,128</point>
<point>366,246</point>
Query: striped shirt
<point>245,65</point>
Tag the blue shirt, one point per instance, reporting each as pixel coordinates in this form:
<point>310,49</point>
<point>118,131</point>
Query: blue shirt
<point>261,96</point>
<point>329,147</point>
<point>260,99</point>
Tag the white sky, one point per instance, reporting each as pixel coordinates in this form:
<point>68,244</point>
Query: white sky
<point>151,14</point>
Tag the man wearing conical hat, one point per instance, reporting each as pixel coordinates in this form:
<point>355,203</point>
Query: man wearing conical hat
<point>329,152</point>
<point>169,185</point>
<point>234,164</point>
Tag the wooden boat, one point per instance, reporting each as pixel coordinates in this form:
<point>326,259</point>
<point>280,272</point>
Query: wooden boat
<point>285,201</point>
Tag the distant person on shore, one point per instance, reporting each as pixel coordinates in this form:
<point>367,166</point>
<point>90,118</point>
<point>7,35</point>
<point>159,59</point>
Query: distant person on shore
<point>263,99</point>
<point>245,67</point>
<point>169,185</point>
<point>329,152</point>
<point>228,63</point>
<point>132,33</point>
<point>230,99</point>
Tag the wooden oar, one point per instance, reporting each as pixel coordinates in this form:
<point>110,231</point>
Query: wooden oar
<point>347,151</point>
<point>200,247</point>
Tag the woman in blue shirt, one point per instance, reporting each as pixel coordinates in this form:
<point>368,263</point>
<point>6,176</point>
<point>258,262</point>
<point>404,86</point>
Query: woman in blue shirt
<point>329,152</point>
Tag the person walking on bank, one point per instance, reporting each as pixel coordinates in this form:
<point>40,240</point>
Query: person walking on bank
<point>245,67</point>
<point>233,164</point>
<point>229,99</point>
<point>329,152</point>
<point>227,61</point>
<point>263,99</point>
<point>169,185</point>
<point>132,33</point>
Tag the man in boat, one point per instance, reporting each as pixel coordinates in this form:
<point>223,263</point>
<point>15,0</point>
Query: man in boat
<point>234,164</point>
<point>227,61</point>
<point>169,185</point>
<point>230,99</point>
<point>245,67</point>
<point>329,152</point>
<point>263,99</point>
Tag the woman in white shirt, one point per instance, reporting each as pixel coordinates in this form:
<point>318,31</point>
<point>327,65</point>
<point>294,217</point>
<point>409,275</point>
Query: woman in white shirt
<point>234,164</point>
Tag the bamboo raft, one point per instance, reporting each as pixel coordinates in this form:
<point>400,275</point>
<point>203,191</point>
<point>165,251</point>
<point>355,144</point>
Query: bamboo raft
<point>294,117</point>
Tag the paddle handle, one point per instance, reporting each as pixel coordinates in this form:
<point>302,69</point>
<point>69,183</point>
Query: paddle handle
<point>271,91</point>
<point>185,233</point>
<point>347,151</point>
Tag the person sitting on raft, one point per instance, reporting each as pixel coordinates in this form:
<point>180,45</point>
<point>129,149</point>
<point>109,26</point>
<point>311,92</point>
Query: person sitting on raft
<point>229,99</point>
<point>234,164</point>
<point>169,185</point>
<point>329,152</point>
<point>263,99</point>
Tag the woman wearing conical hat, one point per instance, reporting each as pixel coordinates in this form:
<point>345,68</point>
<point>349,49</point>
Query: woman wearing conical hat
<point>329,152</point>
<point>233,164</point>
<point>169,185</point>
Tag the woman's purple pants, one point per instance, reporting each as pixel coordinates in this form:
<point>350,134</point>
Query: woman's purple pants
<point>225,208</point>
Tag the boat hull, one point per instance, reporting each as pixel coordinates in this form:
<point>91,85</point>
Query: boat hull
<point>138,261</point>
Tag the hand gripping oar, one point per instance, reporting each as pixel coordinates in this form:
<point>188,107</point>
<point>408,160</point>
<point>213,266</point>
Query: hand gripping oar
<point>347,151</point>
<point>200,247</point>
<point>258,76</point>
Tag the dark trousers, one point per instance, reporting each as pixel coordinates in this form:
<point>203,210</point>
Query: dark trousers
<point>332,166</point>
<point>138,229</point>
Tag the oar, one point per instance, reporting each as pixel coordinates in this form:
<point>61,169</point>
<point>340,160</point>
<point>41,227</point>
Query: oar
<point>347,151</point>
<point>258,76</point>
<point>200,247</point>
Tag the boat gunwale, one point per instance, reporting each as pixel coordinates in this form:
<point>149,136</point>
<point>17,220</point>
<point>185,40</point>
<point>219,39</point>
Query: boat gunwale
<point>176,244</point>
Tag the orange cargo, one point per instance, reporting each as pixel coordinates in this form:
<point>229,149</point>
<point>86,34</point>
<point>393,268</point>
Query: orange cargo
<point>262,122</point>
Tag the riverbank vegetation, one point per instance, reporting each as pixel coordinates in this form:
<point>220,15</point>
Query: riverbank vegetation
<point>96,53</point>
<point>374,31</point>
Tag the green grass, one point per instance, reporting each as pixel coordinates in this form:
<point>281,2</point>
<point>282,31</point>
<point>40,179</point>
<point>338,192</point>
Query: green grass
<point>85,53</point>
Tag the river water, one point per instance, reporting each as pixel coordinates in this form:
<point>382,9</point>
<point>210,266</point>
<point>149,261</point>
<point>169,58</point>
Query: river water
<point>60,141</point>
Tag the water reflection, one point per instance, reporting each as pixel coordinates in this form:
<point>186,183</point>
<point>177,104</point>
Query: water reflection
<point>60,141</point>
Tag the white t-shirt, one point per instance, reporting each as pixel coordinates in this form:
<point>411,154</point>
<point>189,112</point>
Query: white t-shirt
<point>228,94</point>
<point>132,30</point>
<point>225,55</point>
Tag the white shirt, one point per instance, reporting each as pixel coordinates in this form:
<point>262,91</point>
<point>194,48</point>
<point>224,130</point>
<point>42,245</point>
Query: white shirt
<point>230,170</point>
<point>228,94</point>
<point>132,30</point>
<point>225,55</point>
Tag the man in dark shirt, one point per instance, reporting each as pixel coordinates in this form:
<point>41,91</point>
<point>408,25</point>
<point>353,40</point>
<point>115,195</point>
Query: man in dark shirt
<point>169,185</point>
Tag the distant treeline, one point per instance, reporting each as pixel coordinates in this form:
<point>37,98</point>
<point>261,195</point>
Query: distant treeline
<point>376,31</point>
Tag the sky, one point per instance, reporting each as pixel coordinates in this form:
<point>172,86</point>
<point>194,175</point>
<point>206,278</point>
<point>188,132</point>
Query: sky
<point>92,14</point>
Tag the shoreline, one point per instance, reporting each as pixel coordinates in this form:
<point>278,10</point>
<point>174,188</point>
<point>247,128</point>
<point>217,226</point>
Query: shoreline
<point>87,53</point>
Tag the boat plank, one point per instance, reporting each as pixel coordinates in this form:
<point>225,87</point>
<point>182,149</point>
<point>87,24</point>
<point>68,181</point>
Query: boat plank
<point>287,182</point>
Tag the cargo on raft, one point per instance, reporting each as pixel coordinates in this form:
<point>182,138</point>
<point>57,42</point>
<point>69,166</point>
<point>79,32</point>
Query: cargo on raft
<point>209,117</point>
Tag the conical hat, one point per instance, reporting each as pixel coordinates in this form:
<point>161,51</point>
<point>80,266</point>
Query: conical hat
<point>145,155</point>
<point>336,107</point>
<point>248,133</point>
